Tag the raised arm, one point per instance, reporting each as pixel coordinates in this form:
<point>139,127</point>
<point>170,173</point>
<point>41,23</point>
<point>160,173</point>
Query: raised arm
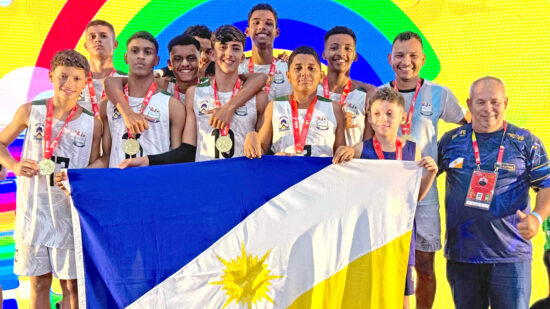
<point>136,123</point>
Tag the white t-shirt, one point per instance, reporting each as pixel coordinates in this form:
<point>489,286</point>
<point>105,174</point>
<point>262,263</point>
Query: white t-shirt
<point>280,86</point>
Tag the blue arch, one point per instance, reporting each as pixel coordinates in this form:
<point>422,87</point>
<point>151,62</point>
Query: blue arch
<point>294,22</point>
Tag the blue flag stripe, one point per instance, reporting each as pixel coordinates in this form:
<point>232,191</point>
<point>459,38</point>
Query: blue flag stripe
<point>191,205</point>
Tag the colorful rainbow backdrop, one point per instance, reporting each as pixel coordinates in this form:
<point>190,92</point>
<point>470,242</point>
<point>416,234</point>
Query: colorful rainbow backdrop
<point>463,40</point>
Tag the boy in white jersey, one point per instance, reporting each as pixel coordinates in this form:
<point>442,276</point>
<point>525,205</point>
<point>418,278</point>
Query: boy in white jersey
<point>60,134</point>
<point>228,42</point>
<point>431,102</point>
<point>100,44</point>
<point>165,114</point>
<point>302,123</point>
<point>340,53</point>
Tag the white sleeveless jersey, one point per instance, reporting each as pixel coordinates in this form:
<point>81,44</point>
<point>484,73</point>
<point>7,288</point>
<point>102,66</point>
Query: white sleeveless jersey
<point>42,221</point>
<point>280,85</point>
<point>355,104</point>
<point>244,121</point>
<point>152,141</point>
<point>170,89</point>
<point>322,129</point>
<point>84,97</point>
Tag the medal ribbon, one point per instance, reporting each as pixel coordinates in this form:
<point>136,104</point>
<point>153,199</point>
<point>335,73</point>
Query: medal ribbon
<point>406,128</point>
<point>500,149</point>
<point>145,102</point>
<point>270,75</point>
<point>91,91</point>
<point>219,104</point>
<point>345,91</point>
<point>49,146</point>
<point>380,154</point>
<point>300,139</point>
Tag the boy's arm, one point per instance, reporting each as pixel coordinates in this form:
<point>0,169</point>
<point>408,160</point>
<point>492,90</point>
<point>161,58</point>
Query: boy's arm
<point>103,160</point>
<point>20,121</point>
<point>222,116</point>
<point>136,123</point>
<point>96,140</point>
<point>177,122</point>
<point>258,143</point>
<point>190,128</point>
<point>340,137</point>
<point>426,182</point>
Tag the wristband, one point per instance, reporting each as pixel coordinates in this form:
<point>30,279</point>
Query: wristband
<point>536,214</point>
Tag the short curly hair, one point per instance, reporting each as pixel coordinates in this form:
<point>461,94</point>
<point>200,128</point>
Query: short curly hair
<point>70,58</point>
<point>388,94</point>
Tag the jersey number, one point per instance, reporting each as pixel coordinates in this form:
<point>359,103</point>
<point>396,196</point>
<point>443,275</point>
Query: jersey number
<point>58,160</point>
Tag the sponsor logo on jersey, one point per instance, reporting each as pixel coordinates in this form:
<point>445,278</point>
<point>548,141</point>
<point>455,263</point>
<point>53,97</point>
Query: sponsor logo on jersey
<point>283,123</point>
<point>153,113</point>
<point>351,108</point>
<point>515,136</point>
<point>241,111</point>
<point>279,77</point>
<point>79,139</point>
<point>203,106</point>
<point>82,96</point>
<point>39,131</point>
<point>457,163</point>
<point>116,114</point>
<point>321,123</point>
<point>426,109</point>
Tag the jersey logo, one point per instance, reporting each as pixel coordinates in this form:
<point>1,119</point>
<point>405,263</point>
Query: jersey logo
<point>116,114</point>
<point>351,108</point>
<point>283,123</point>
<point>153,113</point>
<point>39,131</point>
<point>507,166</point>
<point>426,109</point>
<point>321,123</point>
<point>79,139</point>
<point>203,106</point>
<point>279,77</point>
<point>515,136</point>
<point>457,163</point>
<point>241,111</point>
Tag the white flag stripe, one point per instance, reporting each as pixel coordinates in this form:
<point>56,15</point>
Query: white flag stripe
<point>314,229</point>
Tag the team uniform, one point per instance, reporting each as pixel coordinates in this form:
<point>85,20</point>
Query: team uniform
<point>154,140</point>
<point>171,88</point>
<point>43,225</point>
<point>489,240</point>
<point>409,153</point>
<point>434,102</point>
<point>84,97</point>
<point>280,86</point>
<point>355,104</point>
<point>244,121</point>
<point>322,129</point>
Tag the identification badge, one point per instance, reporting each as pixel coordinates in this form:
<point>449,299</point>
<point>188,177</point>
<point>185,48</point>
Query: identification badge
<point>481,189</point>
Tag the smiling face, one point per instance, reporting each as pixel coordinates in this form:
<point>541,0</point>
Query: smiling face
<point>406,59</point>
<point>184,62</point>
<point>141,57</point>
<point>100,41</point>
<point>228,56</point>
<point>304,73</point>
<point>68,82</point>
<point>487,104</point>
<point>262,29</point>
<point>386,117</point>
<point>340,52</point>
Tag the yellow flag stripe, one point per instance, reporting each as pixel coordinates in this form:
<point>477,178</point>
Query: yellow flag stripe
<point>374,280</point>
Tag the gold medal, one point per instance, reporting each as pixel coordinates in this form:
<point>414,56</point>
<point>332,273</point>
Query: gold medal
<point>224,144</point>
<point>131,147</point>
<point>46,167</point>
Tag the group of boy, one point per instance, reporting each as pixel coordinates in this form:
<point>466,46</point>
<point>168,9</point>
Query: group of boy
<point>248,107</point>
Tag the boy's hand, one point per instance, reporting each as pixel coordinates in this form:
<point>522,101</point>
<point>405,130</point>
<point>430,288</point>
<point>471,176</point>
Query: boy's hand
<point>134,162</point>
<point>252,147</point>
<point>59,178</point>
<point>26,167</point>
<point>343,154</point>
<point>429,164</point>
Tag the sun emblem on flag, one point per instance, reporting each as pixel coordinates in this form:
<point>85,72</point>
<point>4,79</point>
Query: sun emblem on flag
<point>246,279</point>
